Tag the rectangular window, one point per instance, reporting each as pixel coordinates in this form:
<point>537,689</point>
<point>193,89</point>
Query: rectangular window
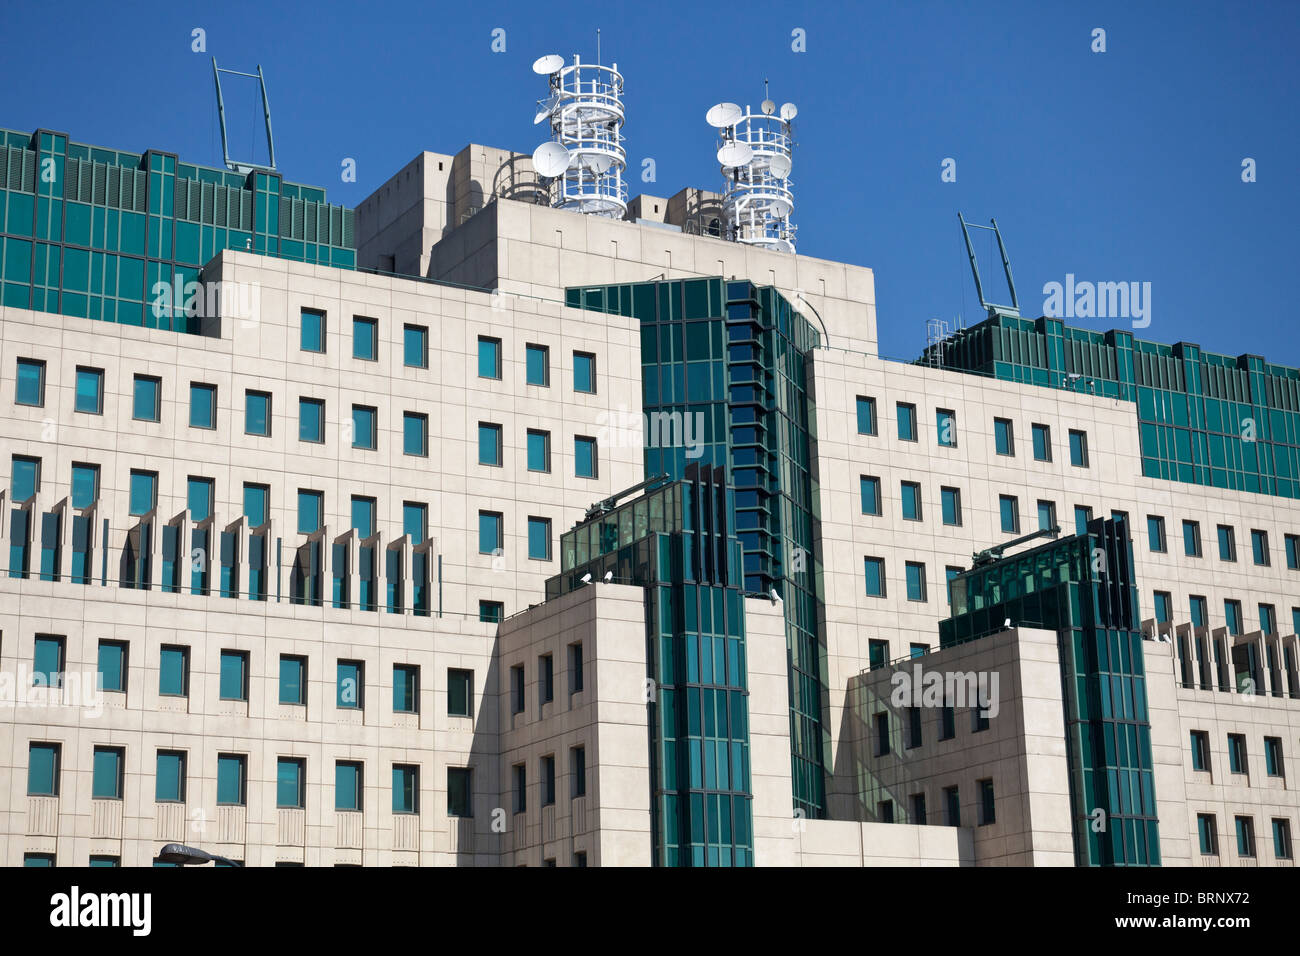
<point>882,734</point>
<point>415,346</point>
<point>460,693</point>
<point>1201,750</point>
<point>173,671</point>
<point>1268,619</point>
<point>519,787</point>
<point>1042,436</point>
<point>347,785</point>
<point>584,457</point>
<point>1046,515</point>
<point>918,809</point>
<point>85,485</point>
<point>987,815</point>
<point>1082,515</point>
<point>107,769</point>
<point>257,504</point>
<point>979,719</point>
<point>575,668</point>
<point>257,413</point>
<point>548,780</point>
<point>1004,437</point>
<point>878,653</point>
<point>584,372</point>
<point>947,723</point>
<point>200,494</point>
<point>489,444</point>
<point>913,727</point>
<point>546,678</point>
<point>406,788</point>
<point>311,420</point>
<point>1227,543</point>
<point>31,383</point>
<point>1208,830</point>
<point>539,450</point>
<point>951,807</point>
<point>26,478</point>
<point>312,337</point>
<point>1198,610</point>
<point>866,415</point>
<point>293,679</point>
<point>38,859</point>
<point>949,573</point>
<point>146,399</point>
<point>90,390</point>
<point>1078,448</point>
<point>365,339</point>
<point>1282,839</point>
<point>950,499</point>
<point>1192,539</point>
<point>885,811</point>
<point>48,661</point>
<point>365,432</point>
<point>112,665</point>
<point>874,569</point>
<point>234,675</point>
<point>1232,616</point>
<point>232,780</point>
<point>578,767</point>
<point>144,491</point>
<point>350,685</point>
<point>489,357</point>
<point>517,698</point>
<point>945,424</point>
<point>460,792</point>
<point>311,511</point>
<point>870,493</point>
<point>290,782</point>
<point>915,580</point>
<point>489,532</point>
<point>491,612</point>
<point>1259,547</point>
<point>43,770</point>
<point>1164,607</point>
<point>406,689</point>
<point>1245,836</point>
<point>1156,533</point>
<point>539,538</point>
<point>1009,509</point>
<point>169,777</point>
<point>203,405</point>
<point>906,421</point>
<point>1292,543</point>
<point>911,492</point>
<point>415,521</point>
<point>1237,753</point>
<point>537,362</point>
<point>415,434</point>
<point>1273,757</point>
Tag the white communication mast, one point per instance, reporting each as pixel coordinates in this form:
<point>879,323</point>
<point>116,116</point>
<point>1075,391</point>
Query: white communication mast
<point>582,164</point>
<point>755,152</point>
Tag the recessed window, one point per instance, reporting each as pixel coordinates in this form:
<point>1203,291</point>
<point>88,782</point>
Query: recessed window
<point>915,572</point>
<point>1245,836</point>
<point>866,415</point>
<point>406,788</point>
<point>31,383</point>
<point>906,421</point>
<point>1164,606</point>
<point>107,769</point>
<point>578,768</point>
<point>575,668</point>
<point>539,451</point>
<point>173,671</point>
<point>415,346</point>
<point>1237,753</point>
<point>290,783</point>
<point>257,413</point>
<point>539,538</point>
<point>870,493</point>
<point>949,574</point>
<point>519,787</point>
<point>26,479</point>
<point>257,503</point>
<point>200,494</point>
<point>48,660</point>
<point>585,457</point>
<point>877,653</point>
<point>365,339</point>
<point>951,807</point>
<point>1156,534</point>
<point>312,337</point>
<point>489,444</point>
<point>490,539</point>
<point>1259,547</point>
<point>546,678</point>
<point>1082,515</point>
<point>1200,750</point>
<point>1232,616</point>
<point>350,685</point>
<point>874,570</point>
<point>406,689</point>
<point>203,405</point>
<point>882,734</point>
<point>987,815</point>
<point>1273,757</point>
<point>232,780</point>
<point>945,424</point>
<point>146,399</point>
<point>1192,539</point>
<point>1004,439</point>
<point>311,420</point>
<point>460,693</point>
<point>347,785</point>
<point>85,485</point>
<point>1292,543</point>
<point>537,362</point>
<point>584,372</point>
<point>1198,610</point>
<point>491,612</point>
<point>1227,543</point>
<point>1009,511</point>
<point>43,769</point>
<point>517,691</point>
<point>548,780</point>
<point>1046,515</point>
<point>1282,838</point>
<point>234,675</point>
<point>460,789</point>
<point>489,357</point>
<point>144,491</point>
<point>90,390</point>
<point>311,511</point>
<point>365,431</point>
<point>1042,436</point>
<point>415,434</point>
<point>918,809</point>
<point>1208,831</point>
<point>1078,448</point>
<point>112,665</point>
<point>169,777</point>
<point>950,499</point>
<point>293,679</point>
<point>911,493</point>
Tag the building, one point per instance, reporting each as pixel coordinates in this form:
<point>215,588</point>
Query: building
<point>547,538</point>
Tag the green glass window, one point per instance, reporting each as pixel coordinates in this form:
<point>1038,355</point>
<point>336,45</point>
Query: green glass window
<point>906,421</point>
<point>311,420</point>
<point>489,444</point>
<point>870,492</point>
<point>1192,539</point>
<point>489,532</point>
<point>1273,756</point>
<point>950,498</point>
<point>578,767</point>
<point>491,612</point>
<point>406,788</point>
<point>173,671</point>
<point>539,450</point>
<point>47,662</point>
<point>1207,829</point>
<point>987,814</point>
<point>365,511</point>
<point>169,777</point>
<point>105,861</point>
<point>945,425</point>
<point>199,494</point>
<point>415,434</point>
<point>1237,753</point>
<point>85,485</point>
<point>1227,543</point>
<point>203,405</point>
<point>866,415</point>
<point>1082,515</point>
<point>519,787</point>
<point>537,362</point>
<point>1292,543</point>
<point>584,455</point>
<point>31,383</point>
<point>347,785</point>
<point>949,573</point>
<point>1282,839</point>
<point>26,478</point>
<point>43,770</point>
<point>1164,607</point>
<point>415,346</point>
<point>951,807</point>
<point>364,431</point>
<point>911,492</point>
<point>1197,610</point>
<point>548,780</point>
<point>1200,750</point>
<point>365,338</point>
<point>234,675</point>
<point>144,491</point>
<point>1259,547</point>
<point>877,653</point>
<point>406,689</point>
<point>1156,533</point>
<point>1245,836</point>
<point>1009,510</point>
<point>38,859</point>
<point>1268,619</point>
<point>915,572</point>
<point>539,538</point>
<point>293,674</point>
<point>1042,436</point>
<point>1232,616</point>
<point>146,402</point>
<point>874,569</point>
<point>1004,438</point>
<point>313,331</point>
<point>584,372</point>
<point>575,667</point>
<point>517,689</point>
<point>1046,515</point>
<point>257,501</point>
<point>107,773</point>
<point>311,506</point>
<point>90,390</point>
<point>489,357</point>
<point>460,792</point>
<point>290,782</point>
<point>232,779</point>
<point>415,521</point>
<point>257,413</point>
<point>1078,449</point>
<point>947,723</point>
<point>546,678</point>
<point>112,666</point>
<point>460,693</point>
<point>350,685</point>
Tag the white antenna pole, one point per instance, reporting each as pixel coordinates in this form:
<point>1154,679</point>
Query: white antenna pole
<point>598,46</point>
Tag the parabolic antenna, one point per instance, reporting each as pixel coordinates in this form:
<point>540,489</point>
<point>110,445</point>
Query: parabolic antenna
<point>597,162</point>
<point>735,154</point>
<point>550,63</point>
<point>789,111</point>
<point>544,114</point>
<point>780,166</point>
<point>723,115</point>
<point>780,208</point>
<point>768,107</point>
<point>550,159</point>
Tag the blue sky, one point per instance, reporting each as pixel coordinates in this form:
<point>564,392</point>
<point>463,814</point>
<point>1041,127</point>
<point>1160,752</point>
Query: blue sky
<point>1115,166</point>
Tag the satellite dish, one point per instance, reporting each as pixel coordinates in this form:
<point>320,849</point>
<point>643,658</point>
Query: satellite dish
<point>550,160</point>
<point>723,115</point>
<point>780,166</point>
<point>789,111</point>
<point>597,162</point>
<point>768,107</point>
<point>544,114</point>
<point>780,208</point>
<point>735,154</point>
<point>550,63</point>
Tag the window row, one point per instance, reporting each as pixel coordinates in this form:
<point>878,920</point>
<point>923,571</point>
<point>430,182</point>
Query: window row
<point>913,737</point>
<point>951,810</point>
<point>1226,536</point>
<point>1233,616</point>
<point>1207,830</point>
<point>1238,759</point>
<point>545,679</point>
<point>914,579</point>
